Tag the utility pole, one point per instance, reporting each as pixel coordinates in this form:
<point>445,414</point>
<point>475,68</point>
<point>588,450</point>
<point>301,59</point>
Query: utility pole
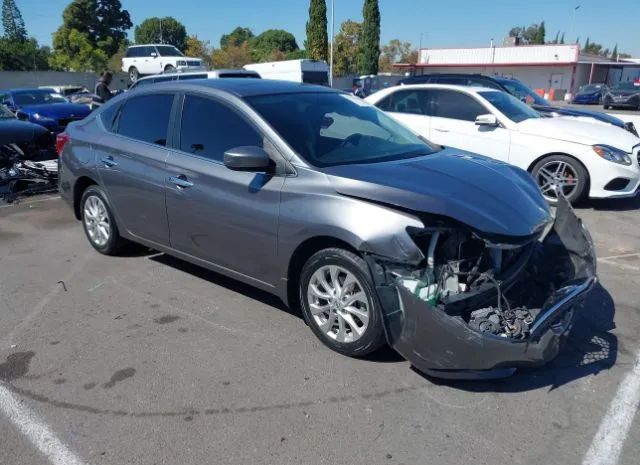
<point>161,41</point>
<point>573,19</point>
<point>331,50</point>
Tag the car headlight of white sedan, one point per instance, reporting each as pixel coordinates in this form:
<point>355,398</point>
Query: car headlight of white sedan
<point>612,154</point>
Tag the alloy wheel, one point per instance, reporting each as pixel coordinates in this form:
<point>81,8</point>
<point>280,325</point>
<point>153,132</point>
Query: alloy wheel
<point>557,176</point>
<point>96,220</point>
<point>338,303</point>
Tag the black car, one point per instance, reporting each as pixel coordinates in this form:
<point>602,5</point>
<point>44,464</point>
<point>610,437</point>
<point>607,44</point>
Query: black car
<point>29,138</point>
<point>517,89</point>
<point>624,95</point>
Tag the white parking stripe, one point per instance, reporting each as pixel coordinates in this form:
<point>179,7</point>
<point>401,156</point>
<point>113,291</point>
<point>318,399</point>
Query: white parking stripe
<point>624,255</point>
<point>35,430</point>
<point>606,446</point>
<point>46,199</point>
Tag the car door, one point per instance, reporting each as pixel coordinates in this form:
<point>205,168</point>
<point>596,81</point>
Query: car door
<point>453,125</point>
<point>409,106</point>
<point>228,218</point>
<point>131,164</point>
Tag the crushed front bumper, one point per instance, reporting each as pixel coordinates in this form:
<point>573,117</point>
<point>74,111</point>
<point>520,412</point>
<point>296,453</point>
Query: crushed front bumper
<point>444,346</point>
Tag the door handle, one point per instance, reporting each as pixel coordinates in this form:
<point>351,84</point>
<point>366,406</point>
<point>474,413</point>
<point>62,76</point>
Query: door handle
<point>441,130</point>
<point>180,181</point>
<point>108,162</point>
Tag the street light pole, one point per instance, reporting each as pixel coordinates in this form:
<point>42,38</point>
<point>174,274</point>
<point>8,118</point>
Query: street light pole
<point>331,50</point>
<point>573,20</point>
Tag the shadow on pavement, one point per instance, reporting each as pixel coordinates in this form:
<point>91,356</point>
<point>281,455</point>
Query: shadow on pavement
<point>588,350</point>
<point>631,203</point>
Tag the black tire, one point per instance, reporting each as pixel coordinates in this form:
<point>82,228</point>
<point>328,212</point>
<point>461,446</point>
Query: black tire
<point>115,243</point>
<point>134,74</point>
<point>580,173</point>
<point>373,337</point>
<point>169,69</point>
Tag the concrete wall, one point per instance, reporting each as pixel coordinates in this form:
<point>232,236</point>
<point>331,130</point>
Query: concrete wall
<point>13,79</point>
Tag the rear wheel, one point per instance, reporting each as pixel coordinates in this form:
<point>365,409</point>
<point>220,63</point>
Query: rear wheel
<point>134,74</point>
<point>560,173</point>
<point>98,222</point>
<point>339,302</point>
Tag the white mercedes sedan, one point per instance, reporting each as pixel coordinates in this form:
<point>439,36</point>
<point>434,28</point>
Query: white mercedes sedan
<point>577,157</point>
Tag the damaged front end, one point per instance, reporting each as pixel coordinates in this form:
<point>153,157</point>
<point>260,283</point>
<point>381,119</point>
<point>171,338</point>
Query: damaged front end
<point>479,306</point>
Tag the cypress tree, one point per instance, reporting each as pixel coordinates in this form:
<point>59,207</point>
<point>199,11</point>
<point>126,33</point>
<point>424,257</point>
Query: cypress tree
<point>614,54</point>
<point>562,38</point>
<point>12,22</point>
<point>317,43</point>
<point>540,34</point>
<point>370,39</point>
<point>555,41</point>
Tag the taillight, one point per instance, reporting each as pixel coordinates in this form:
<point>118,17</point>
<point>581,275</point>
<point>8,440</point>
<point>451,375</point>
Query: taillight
<point>61,141</point>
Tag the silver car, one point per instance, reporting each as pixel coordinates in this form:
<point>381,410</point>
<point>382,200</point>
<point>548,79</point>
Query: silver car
<point>377,235</point>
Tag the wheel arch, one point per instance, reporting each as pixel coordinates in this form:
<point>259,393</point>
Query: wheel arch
<point>79,187</point>
<point>564,154</point>
<point>302,253</point>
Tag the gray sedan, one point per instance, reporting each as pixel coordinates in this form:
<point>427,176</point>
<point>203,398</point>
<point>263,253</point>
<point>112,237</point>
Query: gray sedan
<point>377,235</point>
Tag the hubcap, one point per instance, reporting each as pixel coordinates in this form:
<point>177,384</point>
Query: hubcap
<point>557,176</point>
<point>96,220</point>
<point>338,303</point>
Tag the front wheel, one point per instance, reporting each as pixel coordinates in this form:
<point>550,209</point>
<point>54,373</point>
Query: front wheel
<point>560,173</point>
<point>169,69</point>
<point>339,302</point>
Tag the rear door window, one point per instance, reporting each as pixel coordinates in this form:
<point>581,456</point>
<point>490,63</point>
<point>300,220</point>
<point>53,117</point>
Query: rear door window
<point>146,118</point>
<point>455,105</point>
<point>406,101</point>
<point>210,128</point>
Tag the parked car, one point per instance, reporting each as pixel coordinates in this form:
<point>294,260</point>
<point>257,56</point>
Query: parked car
<point>623,95</point>
<point>44,107</point>
<point>323,200</point>
<point>145,60</point>
<point>66,91</point>
<point>519,90</point>
<point>591,94</point>
<point>562,154</point>
<point>31,139</point>
<point>217,74</point>
<point>305,70</point>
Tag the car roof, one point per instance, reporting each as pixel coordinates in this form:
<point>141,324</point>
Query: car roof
<point>29,89</point>
<point>468,89</point>
<point>242,87</point>
<point>210,74</point>
<point>151,45</point>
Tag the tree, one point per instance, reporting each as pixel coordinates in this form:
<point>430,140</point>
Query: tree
<point>12,22</point>
<point>557,39</point>
<point>317,43</point>
<point>231,56</point>
<point>586,45</point>
<point>370,40</point>
<point>396,52</point>
<point>562,38</point>
<point>614,54</point>
<point>539,37</point>
<point>23,55</point>
<point>79,53</point>
<point>346,48</point>
<point>271,40</point>
<point>197,48</point>
<point>528,35</point>
<point>237,37</point>
<point>161,31</point>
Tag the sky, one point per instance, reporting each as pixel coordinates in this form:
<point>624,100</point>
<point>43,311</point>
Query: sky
<point>458,23</point>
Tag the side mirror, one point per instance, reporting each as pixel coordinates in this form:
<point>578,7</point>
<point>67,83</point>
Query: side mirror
<point>154,54</point>
<point>247,158</point>
<point>487,120</point>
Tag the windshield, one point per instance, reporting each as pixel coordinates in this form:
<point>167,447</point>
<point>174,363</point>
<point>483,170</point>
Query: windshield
<point>519,90</point>
<point>510,106</point>
<point>37,97</point>
<point>627,86</point>
<point>591,88</point>
<point>169,51</point>
<point>5,113</point>
<point>329,129</point>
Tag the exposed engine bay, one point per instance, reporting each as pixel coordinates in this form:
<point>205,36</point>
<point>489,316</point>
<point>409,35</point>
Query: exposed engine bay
<point>481,303</point>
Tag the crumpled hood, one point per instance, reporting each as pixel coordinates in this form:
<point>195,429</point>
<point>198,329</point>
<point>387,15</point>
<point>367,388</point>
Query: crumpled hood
<point>486,195</point>
<point>57,110</point>
<point>14,131</point>
<point>570,129</point>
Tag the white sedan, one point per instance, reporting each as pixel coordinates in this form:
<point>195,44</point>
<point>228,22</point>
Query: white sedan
<point>578,157</point>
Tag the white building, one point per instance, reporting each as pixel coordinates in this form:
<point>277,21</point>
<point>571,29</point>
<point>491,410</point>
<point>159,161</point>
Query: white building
<point>560,67</point>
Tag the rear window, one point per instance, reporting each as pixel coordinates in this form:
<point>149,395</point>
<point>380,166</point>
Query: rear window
<point>146,118</point>
<point>188,77</point>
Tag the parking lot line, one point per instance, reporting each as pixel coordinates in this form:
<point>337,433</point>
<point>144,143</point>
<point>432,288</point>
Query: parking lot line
<point>36,431</point>
<point>607,444</point>
<point>46,199</point>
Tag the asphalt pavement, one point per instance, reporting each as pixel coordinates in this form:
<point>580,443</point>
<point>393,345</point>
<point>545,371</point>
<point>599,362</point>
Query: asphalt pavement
<point>144,359</point>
